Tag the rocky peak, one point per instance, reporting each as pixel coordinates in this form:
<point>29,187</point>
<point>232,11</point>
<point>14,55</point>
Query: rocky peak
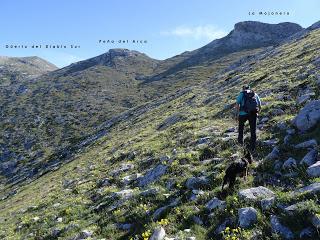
<point>250,34</point>
<point>123,52</point>
<point>123,60</point>
<point>285,28</point>
<point>119,54</point>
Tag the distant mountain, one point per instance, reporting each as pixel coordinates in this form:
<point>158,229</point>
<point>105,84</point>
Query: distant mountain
<point>245,36</point>
<point>14,68</point>
<point>123,60</point>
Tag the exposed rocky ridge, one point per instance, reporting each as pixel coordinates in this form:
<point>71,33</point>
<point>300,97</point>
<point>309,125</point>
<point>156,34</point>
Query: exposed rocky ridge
<point>246,35</point>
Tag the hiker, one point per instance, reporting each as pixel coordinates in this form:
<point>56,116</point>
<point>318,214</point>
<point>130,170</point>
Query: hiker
<point>248,105</point>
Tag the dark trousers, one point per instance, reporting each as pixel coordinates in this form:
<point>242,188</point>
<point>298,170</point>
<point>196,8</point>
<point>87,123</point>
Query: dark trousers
<point>252,118</point>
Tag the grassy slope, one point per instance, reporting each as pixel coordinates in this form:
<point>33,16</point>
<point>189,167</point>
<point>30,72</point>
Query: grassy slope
<point>40,198</point>
<point>62,108</point>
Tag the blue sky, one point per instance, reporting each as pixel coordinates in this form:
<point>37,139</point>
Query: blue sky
<point>170,27</point>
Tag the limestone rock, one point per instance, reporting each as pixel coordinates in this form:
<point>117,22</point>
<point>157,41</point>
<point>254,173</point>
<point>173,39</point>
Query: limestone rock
<point>152,175</point>
<point>197,182</point>
<point>307,144</point>
<point>312,188</point>
<point>247,217</point>
<point>158,234</point>
<point>314,170</point>
<point>275,153</point>
<point>289,164</point>
<point>310,158</point>
<point>170,121</point>
<point>277,227</point>
<point>215,203</point>
<point>255,193</point>
<point>308,116</point>
<point>267,203</point>
<point>124,194</point>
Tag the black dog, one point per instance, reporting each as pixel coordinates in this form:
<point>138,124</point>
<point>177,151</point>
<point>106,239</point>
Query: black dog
<point>239,167</point>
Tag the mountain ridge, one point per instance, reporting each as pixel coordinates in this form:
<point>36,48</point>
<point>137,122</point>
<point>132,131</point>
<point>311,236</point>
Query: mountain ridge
<point>245,35</point>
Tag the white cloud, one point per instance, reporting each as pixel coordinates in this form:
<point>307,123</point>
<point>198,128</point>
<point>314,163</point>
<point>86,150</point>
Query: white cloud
<point>207,32</point>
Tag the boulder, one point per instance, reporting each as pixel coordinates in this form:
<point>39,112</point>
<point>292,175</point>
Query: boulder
<point>170,121</point>
<point>315,220</point>
<point>307,233</point>
<point>264,120</point>
<point>158,234</point>
<point>247,217</point>
<point>195,194</point>
<point>304,98</point>
<point>123,168</point>
<point>275,153</point>
<point>123,194</point>
<point>289,164</point>
<point>215,203</point>
<point>294,207</point>
<point>197,182</point>
<point>312,188</point>
<point>308,116</point>
<point>255,193</point>
<point>310,158</point>
<point>277,112</point>
<point>307,144</point>
<point>157,213</point>
<point>149,192</point>
<point>152,175</point>
<point>267,203</point>
<point>314,170</point>
<point>130,178</point>
<point>85,234</point>
<point>278,228</point>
